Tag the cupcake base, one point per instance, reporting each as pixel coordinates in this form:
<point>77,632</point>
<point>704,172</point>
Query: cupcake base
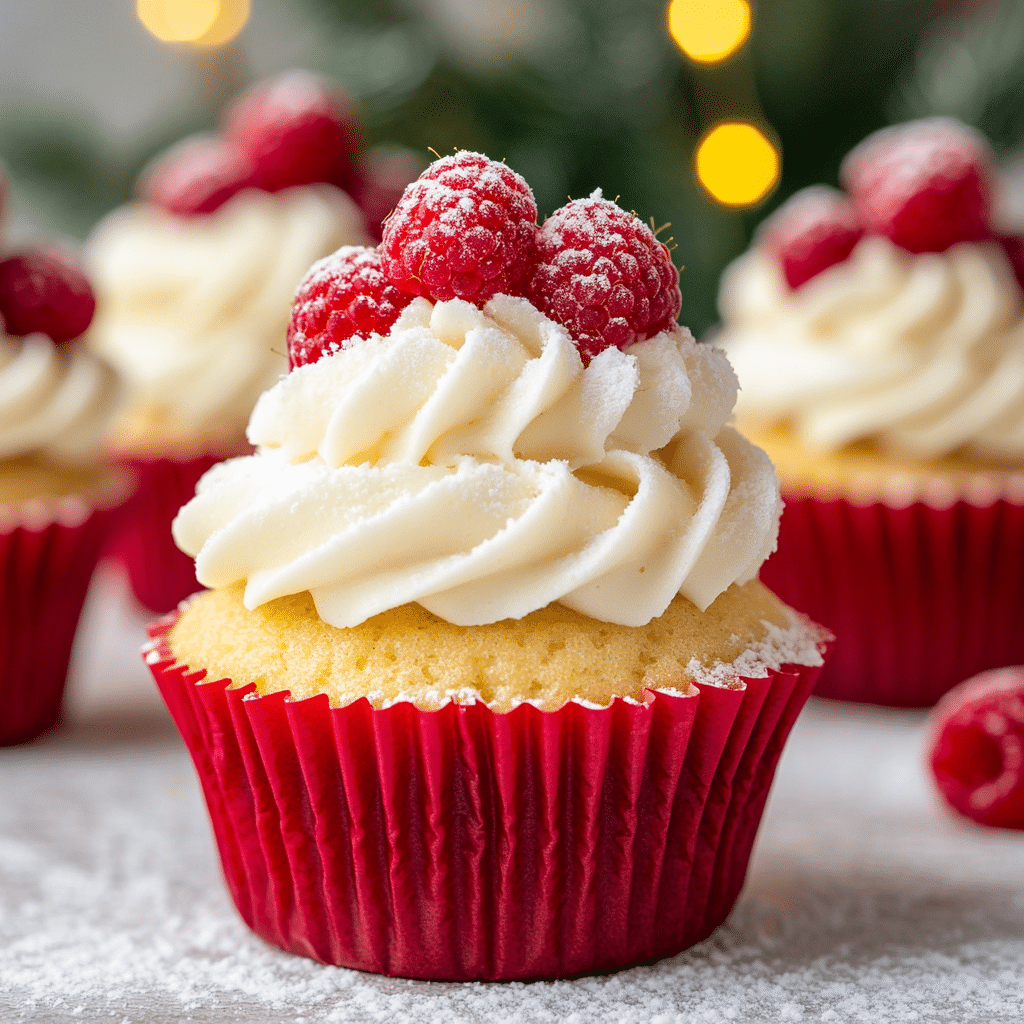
<point>919,597</point>
<point>465,844</point>
<point>45,567</point>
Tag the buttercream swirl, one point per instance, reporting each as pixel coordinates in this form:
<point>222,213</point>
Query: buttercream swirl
<point>469,461</point>
<point>923,354</point>
<point>56,401</point>
<point>193,311</point>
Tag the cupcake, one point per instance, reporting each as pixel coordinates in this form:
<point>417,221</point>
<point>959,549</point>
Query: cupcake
<point>484,685</point>
<point>56,494</point>
<point>878,337</point>
<point>194,286</point>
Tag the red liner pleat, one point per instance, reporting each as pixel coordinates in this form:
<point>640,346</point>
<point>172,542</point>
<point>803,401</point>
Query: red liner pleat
<point>160,574</point>
<point>919,598</point>
<point>44,576</point>
<point>461,843</point>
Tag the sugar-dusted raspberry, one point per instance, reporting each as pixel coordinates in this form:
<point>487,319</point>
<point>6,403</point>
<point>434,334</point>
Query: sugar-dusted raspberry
<point>976,747</point>
<point>45,292</point>
<point>926,184</point>
<point>603,276</point>
<point>812,231</point>
<point>296,129</point>
<point>382,177</point>
<point>196,176</point>
<point>464,229</point>
<point>343,296</point>
<point>1013,246</point>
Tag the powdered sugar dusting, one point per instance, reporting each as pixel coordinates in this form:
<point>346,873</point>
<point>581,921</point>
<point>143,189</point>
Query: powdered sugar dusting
<point>801,643</point>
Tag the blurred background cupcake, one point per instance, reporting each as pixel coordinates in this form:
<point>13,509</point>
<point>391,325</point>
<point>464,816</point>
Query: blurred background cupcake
<point>56,493</point>
<point>194,284</point>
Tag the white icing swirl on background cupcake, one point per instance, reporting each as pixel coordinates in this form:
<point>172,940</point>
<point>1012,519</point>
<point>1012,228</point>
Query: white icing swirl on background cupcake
<point>56,401</point>
<point>923,354</point>
<point>469,461</point>
<point>192,311</point>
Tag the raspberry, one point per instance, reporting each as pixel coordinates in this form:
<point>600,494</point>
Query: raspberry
<point>1013,246</point>
<point>196,176</point>
<point>342,296</point>
<point>926,184</point>
<point>296,129</point>
<point>603,276</point>
<point>976,747</point>
<point>464,229</point>
<point>46,292</point>
<point>384,172</point>
<point>811,232</point>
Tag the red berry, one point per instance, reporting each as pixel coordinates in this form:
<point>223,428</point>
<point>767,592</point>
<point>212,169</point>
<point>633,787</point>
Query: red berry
<point>1013,245</point>
<point>384,172</point>
<point>196,176</point>
<point>464,229</point>
<point>45,292</point>
<point>926,184</point>
<point>296,129</point>
<point>811,232</point>
<point>603,276</point>
<point>344,295</point>
<point>976,747</point>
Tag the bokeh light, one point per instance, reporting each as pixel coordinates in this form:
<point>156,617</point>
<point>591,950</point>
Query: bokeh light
<point>737,164</point>
<point>206,22</point>
<point>708,31</point>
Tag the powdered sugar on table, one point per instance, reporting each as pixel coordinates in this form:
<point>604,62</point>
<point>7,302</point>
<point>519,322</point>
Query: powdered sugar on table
<point>865,902</point>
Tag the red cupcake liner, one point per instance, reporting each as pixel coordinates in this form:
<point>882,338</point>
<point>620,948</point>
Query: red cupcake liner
<point>161,575</point>
<point>462,843</point>
<point>45,567</point>
<point>919,597</point>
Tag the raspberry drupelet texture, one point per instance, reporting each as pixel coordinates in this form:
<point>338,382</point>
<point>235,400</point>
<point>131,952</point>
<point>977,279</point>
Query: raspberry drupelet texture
<point>811,232</point>
<point>196,176</point>
<point>295,129</point>
<point>603,275</point>
<point>976,747</point>
<point>464,229</point>
<point>925,185</point>
<point>342,296</point>
<point>45,292</point>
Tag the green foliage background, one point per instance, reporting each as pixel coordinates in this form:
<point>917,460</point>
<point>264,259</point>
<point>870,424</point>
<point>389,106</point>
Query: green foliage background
<point>606,99</point>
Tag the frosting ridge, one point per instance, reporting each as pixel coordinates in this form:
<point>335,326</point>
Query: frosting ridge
<point>924,354</point>
<point>470,462</point>
<point>193,311</point>
<point>56,401</point>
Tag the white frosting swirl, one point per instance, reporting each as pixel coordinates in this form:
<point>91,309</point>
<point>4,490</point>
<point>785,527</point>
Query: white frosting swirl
<point>56,401</point>
<point>192,311</point>
<point>923,354</point>
<point>469,462</point>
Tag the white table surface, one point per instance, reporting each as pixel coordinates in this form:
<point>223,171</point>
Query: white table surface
<point>865,901</point>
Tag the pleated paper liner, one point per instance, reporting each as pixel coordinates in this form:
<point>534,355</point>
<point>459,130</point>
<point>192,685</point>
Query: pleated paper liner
<point>463,843</point>
<point>161,576</point>
<point>920,595</point>
<point>47,556</point>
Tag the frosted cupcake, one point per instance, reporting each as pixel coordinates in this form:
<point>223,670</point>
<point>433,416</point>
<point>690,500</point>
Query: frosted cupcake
<point>194,286</point>
<point>879,343</point>
<point>56,402</point>
<point>486,593</point>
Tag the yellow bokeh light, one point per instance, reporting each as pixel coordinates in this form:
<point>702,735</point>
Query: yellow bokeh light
<point>229,22</point>
<point>207,22</point>
<point>708,31</point>
<point>737,164</point>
